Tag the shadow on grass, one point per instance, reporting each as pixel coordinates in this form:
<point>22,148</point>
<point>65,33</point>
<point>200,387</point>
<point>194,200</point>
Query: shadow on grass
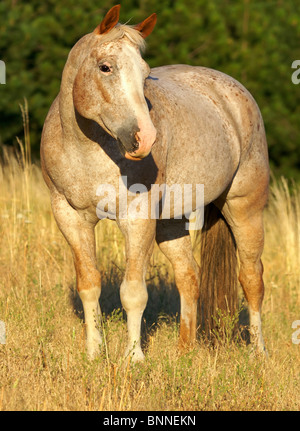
<point>163,302</point>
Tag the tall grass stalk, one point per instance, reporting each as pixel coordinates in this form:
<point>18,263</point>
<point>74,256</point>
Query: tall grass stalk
<point>25,151</point>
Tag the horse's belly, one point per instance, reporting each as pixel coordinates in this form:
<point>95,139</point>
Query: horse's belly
<point>211,166</point>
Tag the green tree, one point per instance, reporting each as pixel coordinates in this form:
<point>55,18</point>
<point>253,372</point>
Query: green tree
<point>252,40</point>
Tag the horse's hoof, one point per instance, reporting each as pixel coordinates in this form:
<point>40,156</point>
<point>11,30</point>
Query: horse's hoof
<point>135,355</point>
<point>93,349</point>
<point>259,352</point>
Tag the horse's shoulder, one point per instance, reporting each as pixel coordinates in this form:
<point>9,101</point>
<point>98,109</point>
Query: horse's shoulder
<point>52,122</point>
<point>51,141</point>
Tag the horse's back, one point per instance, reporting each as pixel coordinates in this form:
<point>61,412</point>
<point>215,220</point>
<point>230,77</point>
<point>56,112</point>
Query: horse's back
<point>204,92</point>
<point>216,125</point>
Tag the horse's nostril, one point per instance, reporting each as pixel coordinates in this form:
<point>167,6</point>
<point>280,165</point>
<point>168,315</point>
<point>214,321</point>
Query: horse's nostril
<point>137,138</point>
<point>128,148</point>
<point>136,143</point>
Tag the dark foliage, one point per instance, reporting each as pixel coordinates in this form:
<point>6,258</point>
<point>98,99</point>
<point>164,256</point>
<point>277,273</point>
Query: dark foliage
<point>254,41</point>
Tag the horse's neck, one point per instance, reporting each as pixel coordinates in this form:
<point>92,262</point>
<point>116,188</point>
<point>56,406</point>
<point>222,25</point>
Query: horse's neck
<point>70,128</point>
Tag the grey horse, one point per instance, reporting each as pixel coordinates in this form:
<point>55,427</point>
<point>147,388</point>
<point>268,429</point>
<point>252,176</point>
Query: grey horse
<point>113,120</point>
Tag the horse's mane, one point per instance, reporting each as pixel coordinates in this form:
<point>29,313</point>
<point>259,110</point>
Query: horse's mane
<point>123,30</point>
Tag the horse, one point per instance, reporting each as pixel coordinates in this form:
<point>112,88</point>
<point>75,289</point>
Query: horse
<point>116,121</point>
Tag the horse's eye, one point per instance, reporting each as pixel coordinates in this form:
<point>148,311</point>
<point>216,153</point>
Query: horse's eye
<point>105,68</point>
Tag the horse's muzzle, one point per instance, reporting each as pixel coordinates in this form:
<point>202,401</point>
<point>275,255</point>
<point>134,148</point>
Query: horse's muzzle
<point>145,138</point>
<point>136,144</point>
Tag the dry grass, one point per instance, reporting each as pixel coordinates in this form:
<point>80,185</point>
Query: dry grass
<point>43,365</point>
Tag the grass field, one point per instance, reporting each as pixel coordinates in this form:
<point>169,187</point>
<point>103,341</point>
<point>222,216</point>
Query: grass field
<point>43,364</point>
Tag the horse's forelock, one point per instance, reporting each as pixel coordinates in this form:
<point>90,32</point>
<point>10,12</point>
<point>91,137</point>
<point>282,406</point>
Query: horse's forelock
<point>123,30</point>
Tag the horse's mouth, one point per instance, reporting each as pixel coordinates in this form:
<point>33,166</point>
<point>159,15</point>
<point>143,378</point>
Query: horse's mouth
<point>128,155</point>
<point>131,157</point>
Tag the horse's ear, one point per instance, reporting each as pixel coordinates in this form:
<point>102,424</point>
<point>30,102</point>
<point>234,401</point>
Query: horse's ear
<point>110,20</point>
<point>146,27</point>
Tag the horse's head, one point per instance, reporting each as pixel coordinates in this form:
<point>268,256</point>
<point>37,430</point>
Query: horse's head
<point>109,85</point>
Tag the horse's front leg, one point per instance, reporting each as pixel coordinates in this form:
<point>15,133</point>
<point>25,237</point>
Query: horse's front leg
<point>80,235</point>
<point>139,240</point>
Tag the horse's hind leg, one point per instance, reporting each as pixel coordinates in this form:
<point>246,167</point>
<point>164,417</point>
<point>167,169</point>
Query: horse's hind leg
<point>175,242</point>
<point>245,217</point>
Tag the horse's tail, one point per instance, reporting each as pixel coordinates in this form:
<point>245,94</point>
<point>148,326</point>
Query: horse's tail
<point>218,275</point>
